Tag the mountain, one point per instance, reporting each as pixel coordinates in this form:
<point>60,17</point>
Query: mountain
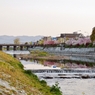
<point>23,39</point>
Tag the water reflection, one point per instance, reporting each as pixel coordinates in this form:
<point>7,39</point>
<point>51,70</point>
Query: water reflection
<point>71,86</point>
<point>36,64</point>
<point>75,86</point>
<point>42,64</point>
<point>83,58</point>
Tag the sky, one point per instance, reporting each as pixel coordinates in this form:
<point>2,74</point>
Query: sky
<point>46,17</point>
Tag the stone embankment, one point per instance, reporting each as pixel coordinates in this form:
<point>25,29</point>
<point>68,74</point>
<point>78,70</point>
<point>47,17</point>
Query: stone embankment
<point>72,51</point>
<point>61,54</point>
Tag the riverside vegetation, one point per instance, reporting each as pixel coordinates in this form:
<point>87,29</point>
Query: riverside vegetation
<point>41,55</point>
<point>14,80</point>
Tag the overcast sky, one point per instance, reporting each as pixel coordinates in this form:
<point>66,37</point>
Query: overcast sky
<point>46,17</point>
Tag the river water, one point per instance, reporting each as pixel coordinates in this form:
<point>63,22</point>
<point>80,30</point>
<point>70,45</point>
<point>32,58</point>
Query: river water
<point>75,86</point>
<point>71,86</point>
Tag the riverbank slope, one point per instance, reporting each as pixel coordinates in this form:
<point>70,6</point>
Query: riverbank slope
<point>14,80</point>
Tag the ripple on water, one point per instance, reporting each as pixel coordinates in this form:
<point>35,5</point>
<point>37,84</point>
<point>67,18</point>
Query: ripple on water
<point>75,86</point>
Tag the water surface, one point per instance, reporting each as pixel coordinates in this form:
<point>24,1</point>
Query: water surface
<point>71,86</point>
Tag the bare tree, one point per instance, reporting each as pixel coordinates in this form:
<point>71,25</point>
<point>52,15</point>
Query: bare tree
<point>16,41</point>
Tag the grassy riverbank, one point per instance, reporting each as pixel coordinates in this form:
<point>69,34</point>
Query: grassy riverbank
<point>14,80</point>
<point>36,54</point>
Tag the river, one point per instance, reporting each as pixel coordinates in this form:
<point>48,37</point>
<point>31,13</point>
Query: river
<point>72,86</point>
<point>75,86</point>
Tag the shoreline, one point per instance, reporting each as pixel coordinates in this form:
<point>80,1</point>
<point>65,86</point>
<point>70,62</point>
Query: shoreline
<point>53,57</point>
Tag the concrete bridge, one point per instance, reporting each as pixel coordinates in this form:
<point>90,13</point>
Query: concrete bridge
<point>22,46</point>
<point>15,46</point>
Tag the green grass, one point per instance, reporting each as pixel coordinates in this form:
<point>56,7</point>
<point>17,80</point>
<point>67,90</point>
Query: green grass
<point>11,70</point>
<point>39,53</point>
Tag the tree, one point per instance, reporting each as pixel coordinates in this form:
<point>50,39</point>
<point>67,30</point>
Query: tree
<point>16,41</point>
<point>26,43</point>
<point>55,89</point>
<point>30,43</point>
<point>92,36</point>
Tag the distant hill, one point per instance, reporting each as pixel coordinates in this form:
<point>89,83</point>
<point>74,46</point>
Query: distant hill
<point>23,39</point>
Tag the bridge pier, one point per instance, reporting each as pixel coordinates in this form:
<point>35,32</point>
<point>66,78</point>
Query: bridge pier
<point>14,48</point>
<point>27,47</point>
<point>21,47</point>
<point>7,47</point>
<point>1,47</point>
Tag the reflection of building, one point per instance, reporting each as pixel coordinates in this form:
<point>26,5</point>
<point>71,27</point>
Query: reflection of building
<point>52,64</point>
<point>74,65</point>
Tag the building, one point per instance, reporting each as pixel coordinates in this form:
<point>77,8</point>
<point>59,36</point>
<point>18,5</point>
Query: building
<point>73,35</point>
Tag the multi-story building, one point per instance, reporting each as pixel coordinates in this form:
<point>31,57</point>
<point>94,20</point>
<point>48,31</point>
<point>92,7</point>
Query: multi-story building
<point>73,35</point>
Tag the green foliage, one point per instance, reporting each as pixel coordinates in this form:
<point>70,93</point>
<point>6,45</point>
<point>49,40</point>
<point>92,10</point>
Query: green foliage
<point>55,89</point>
<point>90,45</point>
<point>39,53</point>
<point>43,82</point>
<point>28,72</point>
<point>20,65</point>
<point>24,78</point>
<point>92,36</point>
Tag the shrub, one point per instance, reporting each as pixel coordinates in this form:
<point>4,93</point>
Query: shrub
<point>28,72</point>
<point>43,82</point>
<point>39,53</point>
<point>55,89</point>
<point>42,54</point>
<point>21,66</point>
<point>90,45</point>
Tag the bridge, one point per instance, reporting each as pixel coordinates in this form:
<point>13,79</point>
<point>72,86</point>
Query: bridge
<point>15,46</point>
<point>22,46</point>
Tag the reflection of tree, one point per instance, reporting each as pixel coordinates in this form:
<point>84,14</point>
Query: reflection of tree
<point>68,63</point>
<point>77,64</point>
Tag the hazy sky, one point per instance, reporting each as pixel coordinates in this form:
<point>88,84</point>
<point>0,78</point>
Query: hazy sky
<point>46,17</point>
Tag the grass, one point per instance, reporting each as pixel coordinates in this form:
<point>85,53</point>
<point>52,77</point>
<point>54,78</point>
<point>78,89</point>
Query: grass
<point>11,70</point>
<point>39,53</point>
